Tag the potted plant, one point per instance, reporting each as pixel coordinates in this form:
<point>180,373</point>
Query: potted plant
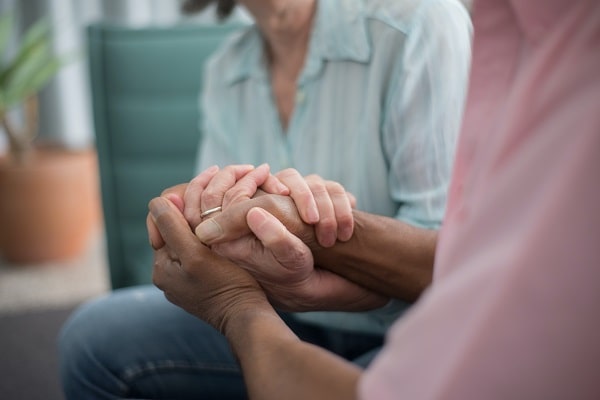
<point>48,194</point>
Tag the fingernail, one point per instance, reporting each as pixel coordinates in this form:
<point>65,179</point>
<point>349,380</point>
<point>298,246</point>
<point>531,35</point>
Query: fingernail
<point>156,206</point>
<point>154,246</point>
<point>208,231</point>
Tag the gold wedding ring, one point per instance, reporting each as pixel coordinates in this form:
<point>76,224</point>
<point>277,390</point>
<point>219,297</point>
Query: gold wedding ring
<point>210,211</point>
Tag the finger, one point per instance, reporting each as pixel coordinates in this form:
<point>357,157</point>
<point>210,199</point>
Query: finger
<point>289,250</point>
<point>214,192</point>
<point>160,269</point>
<point>343,210</point>
<point>274,186</point>
<point>177,201</point>
<point>193,193</point>
<point>228,225</point>
<point>301,194</point>
<point>231,223</point>
<point>247,186</point>
<point>156,241</point>
<point>326,228</point>
<point>178,190</point>
<point>351,199</point>
<point>172,226</point>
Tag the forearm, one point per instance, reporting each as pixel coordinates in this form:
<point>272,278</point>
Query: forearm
<point>385,255</point>
<point>277,365</point>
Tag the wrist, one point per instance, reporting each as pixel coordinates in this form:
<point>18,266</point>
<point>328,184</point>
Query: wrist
<point>255,328</point>
<point>237,315</point>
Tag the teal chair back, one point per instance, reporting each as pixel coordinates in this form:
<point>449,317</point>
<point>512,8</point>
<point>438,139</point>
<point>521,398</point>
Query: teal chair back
<point>145,87</point>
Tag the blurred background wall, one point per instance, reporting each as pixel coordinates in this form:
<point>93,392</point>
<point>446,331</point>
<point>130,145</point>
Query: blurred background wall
<point>65,113</point>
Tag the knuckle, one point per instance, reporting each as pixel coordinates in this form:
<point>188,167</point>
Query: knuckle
<point>230,169</point>
<point>287,173</point>
<point>336,188</point>
<point>318,189</point>
<point>243,190</point>
<point>231,196</point>
<point>345,219</point>
<point>300,256</point>
<point>194,188</point>
<point>303,193</point>
<point>197,181</point>
<point>328,223</point>
<point>156,277</point>
<point>236,171</point>
<point>211,197</point>
<point>314,178</point>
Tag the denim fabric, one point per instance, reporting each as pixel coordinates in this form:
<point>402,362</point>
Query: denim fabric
<point>134,344</point>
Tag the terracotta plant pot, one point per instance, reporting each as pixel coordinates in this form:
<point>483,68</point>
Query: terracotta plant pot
<point>49,206</point>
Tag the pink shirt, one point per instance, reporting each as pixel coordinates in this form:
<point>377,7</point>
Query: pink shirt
<point>514,311</point>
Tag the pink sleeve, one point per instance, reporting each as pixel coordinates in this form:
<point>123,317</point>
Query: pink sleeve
<point>514,311</point>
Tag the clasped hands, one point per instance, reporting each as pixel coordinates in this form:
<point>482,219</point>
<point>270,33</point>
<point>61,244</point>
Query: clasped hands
<point>257,251</point>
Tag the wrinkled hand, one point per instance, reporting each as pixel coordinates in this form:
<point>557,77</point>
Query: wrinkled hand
<point>195,278</point>
<point>216,187</point>
<point>334,220</point>
<point>277,251</point>
<point>274,250</point>
<point>324,204</point>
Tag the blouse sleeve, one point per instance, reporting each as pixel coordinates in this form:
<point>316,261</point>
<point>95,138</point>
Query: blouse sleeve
<point>424,111</point>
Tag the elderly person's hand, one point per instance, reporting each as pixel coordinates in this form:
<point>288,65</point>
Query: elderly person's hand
<point>267,237</point>
<point>276,250</point>
<point>232,184</point>
<point>322,203</point>
<point>334,205</point>
<point>216,188</point>
<point>195,278</point>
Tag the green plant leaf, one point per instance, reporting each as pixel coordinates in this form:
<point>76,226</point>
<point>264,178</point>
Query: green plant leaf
<point>43,76</point>
<point>37,58</point>
<point>37,35</point>
<point>37,32</point>
<point>36,79</point>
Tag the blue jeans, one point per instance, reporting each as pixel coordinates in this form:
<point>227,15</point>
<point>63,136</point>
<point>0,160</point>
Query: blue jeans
<point>134,344</point>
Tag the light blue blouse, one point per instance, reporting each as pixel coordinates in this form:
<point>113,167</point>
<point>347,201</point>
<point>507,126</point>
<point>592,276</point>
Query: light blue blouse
<point>378,108</point>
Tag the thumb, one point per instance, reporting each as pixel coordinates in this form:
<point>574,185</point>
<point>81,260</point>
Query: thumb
<point>231,224</point>
<point>288,249</point>
<point>228,225</point>
<point>171,224</point>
